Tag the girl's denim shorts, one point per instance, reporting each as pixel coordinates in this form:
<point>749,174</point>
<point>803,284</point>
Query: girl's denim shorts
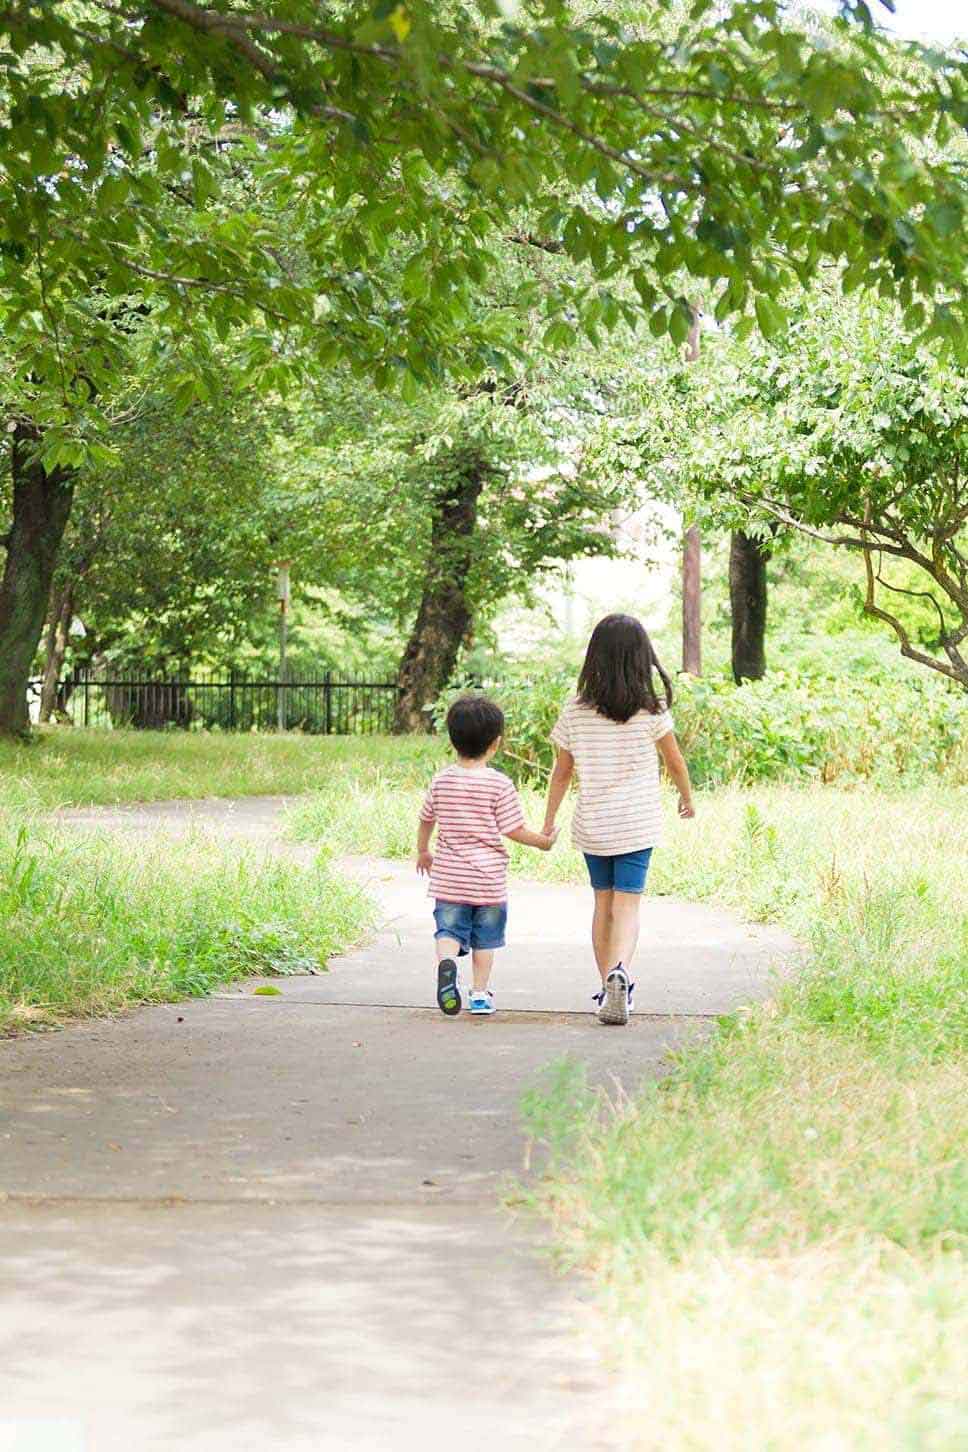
<point>625,872</point>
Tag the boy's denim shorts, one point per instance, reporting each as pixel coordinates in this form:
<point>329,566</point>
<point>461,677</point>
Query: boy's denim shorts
<point>625,872</point>
<point>473,927</point>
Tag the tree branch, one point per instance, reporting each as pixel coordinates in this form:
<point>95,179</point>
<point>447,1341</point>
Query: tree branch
<point>234,26</point>
<point>916,595</point>
<point>528,239</point>
<point>871,607</point>
<point>200,282</point>
<point>785,516</point>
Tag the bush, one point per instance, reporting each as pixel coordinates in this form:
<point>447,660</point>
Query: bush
<point>892,727</point>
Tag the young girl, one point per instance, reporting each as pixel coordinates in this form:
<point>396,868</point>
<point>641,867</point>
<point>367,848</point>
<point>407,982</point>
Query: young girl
<point>613,732</point>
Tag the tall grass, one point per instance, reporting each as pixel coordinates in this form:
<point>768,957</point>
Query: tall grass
<point>87,926</point>
<point>778,1230</point>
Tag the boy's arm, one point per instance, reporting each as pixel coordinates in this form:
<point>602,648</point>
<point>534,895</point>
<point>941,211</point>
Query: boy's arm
<point>509,816</point>
<point>425,827</point>
<point>558,786</point>
<point>675,764</point>
<point>425,860</point>
<point>544,841</point>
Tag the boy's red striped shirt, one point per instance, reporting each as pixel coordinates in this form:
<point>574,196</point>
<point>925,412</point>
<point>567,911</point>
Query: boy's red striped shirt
<point>473,807</point>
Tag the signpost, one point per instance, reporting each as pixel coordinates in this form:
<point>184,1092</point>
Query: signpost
<point>692,555</point>
<point>282,593</point>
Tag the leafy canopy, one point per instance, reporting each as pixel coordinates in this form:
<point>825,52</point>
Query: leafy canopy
<point>850,430</point>
<point>329,179</point>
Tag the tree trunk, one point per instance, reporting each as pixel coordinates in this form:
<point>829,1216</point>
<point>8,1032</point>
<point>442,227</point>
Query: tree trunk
<point>41,508</point>
<point>58,630</point>
<point>692,603</point>
<point>445,616</point>
<point>747,598</point>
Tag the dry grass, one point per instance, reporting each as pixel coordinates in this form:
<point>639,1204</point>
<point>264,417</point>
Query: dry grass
<point>848,1346</point>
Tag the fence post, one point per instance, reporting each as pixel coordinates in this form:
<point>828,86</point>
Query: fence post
<point>232,699</point>
<point>328,690</point>
<point>86,706</point>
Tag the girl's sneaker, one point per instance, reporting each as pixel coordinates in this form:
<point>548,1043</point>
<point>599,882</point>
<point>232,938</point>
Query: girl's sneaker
<point>448,989</point>
<point>481,1001</point>
<point>615,999</point>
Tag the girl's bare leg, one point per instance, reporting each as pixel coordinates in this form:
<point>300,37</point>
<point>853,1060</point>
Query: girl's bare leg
<point>602,930</point>
<point>624,934</point>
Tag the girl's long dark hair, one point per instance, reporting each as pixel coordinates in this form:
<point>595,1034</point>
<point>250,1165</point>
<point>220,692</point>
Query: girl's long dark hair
<point>616,677</point>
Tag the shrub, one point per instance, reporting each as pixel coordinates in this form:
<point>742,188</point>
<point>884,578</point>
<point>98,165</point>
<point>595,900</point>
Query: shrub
<point>886,728</point>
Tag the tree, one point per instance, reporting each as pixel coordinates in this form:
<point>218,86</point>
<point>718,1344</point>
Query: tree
<point>223,165</point>
<point>168,556</point>
<point>854,433</point>
<point>692,555</point>
<point>433,513</point>
<point>748,558</point>
<point>41,503</point>
<point>445,617</point>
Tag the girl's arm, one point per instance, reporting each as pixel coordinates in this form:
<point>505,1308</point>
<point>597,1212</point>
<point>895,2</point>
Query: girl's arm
<point>675,764</point>
<point>425,859</point>
<point>558,786</point>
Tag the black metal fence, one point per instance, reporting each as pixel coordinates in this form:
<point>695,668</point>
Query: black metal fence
<point>330,706</point>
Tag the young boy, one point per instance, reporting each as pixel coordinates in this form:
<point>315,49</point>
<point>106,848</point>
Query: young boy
<point>473,807</point>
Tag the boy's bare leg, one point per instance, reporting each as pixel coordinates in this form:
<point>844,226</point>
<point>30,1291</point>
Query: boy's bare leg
<point>447,948</point>
<point>602,931</point>
<point>624,930</point>
<point>482,963</point>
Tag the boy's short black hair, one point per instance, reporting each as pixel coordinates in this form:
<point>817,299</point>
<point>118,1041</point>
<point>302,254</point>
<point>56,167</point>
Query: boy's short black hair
<point>473,724</point>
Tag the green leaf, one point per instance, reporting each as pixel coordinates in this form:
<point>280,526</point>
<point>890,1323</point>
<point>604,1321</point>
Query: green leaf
<point>559,335</point>
<point>679,324</point>
<point>659,323</point>
<point>769,316</point>
<point>945,217</point>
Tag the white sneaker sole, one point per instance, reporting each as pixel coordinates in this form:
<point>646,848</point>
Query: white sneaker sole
<point>615,1005</point>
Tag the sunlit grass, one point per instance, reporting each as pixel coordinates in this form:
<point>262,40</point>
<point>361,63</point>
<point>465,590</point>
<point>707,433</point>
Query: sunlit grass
<point>65,767</point>
<point>777,1232</point>
<point>87,926</point>
<point>845,1347</point>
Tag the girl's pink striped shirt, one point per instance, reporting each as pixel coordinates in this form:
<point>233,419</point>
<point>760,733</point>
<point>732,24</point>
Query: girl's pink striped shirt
<point>473,807</point>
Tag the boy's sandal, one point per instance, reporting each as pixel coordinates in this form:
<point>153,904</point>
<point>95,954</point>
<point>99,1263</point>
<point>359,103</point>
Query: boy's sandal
<point>448,989</point>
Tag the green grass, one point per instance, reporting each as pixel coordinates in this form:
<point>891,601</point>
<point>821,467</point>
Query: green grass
<point>64,767</point>
<point>791,1205</point>
<point>89,927</point>
<point>777,1232</point>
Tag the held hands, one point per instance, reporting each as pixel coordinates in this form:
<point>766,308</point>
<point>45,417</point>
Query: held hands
<point>686,808</point>
<point>425,861</point>
<point>547,838</point>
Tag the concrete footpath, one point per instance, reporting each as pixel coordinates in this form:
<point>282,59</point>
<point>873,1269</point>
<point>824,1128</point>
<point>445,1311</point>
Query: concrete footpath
<point>254,1223</point>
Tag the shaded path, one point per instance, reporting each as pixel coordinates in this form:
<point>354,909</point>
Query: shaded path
<point>252,1223</point>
